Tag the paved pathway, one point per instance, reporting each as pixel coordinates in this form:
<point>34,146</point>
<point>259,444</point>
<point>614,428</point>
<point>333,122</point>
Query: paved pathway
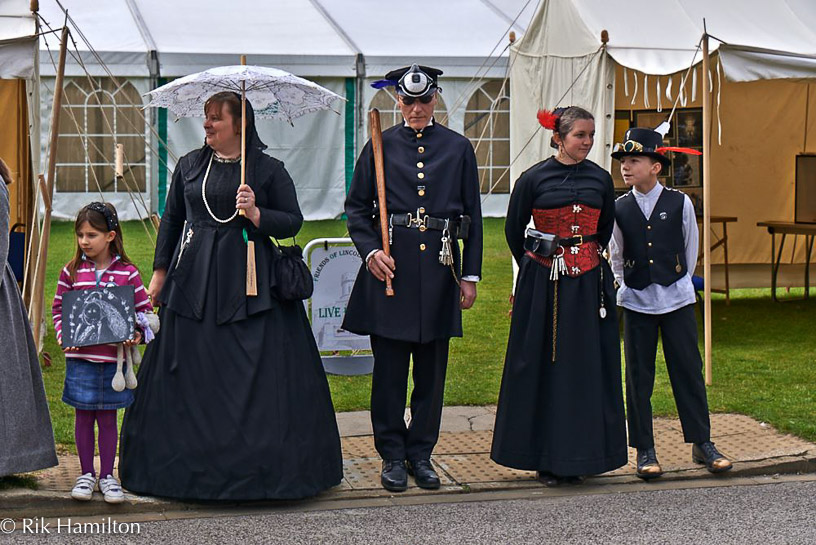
<point>463,462</point>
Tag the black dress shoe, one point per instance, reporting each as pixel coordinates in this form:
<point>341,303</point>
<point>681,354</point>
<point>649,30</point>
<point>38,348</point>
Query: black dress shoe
<point>548,479</point>
<point>394,476</point>
<point>647,465</point>
<point>706,453</point>
<point>575,479</point>
<point>424,474</point>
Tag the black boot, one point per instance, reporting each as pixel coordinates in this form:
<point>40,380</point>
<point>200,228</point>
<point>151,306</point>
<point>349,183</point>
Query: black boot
<point>394,476</point>
<point>706,453</point>
<point>647,465</point>
<point>424,474</point>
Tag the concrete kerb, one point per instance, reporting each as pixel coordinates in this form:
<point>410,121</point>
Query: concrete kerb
<point>19,503</point>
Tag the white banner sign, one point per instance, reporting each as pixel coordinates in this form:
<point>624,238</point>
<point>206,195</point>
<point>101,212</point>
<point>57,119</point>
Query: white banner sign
<point>334,264</point>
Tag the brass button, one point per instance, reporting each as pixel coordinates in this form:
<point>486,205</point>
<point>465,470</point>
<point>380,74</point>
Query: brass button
<point>421,192</point>
<point>650,244</point>
<point>421,175</point>
<point>420,164</point>
<point>421,210</point>
<point>649,227</point>
<point>651,262</point>
<point>422,228</point>
<point>422,247</point>
<point>419,135</point>
<point>421,149</point>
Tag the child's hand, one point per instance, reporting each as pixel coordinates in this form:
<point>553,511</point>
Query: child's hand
<point>137,338</point>
<point>69,349</point>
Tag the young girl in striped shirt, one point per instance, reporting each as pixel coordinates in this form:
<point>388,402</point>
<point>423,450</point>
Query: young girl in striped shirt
<point>100,261</point>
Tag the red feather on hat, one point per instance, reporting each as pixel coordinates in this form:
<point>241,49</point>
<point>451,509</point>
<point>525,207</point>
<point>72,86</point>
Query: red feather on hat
<point>547,119</point>
<point>689,151</point>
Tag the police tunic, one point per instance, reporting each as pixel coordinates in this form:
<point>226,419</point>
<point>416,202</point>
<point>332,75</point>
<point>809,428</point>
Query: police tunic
<point>429,172</point>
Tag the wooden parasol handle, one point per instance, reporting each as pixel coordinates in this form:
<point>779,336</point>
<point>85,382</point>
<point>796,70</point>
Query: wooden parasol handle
<point>376,144</point>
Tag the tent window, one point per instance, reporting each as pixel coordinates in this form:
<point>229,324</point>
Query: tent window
<point>386,102</point>
<point>96,115</point>
<point>487,125</point>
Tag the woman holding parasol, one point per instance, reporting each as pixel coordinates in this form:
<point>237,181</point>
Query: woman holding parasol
<point>233,403</point>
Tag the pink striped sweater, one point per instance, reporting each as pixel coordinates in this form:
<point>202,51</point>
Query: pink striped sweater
<point>117,274</point>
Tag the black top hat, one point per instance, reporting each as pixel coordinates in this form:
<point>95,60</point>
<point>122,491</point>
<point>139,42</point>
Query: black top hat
<point>413,81</point>
<point>639,141</point>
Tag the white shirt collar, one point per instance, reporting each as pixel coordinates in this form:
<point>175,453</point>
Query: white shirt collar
<point>652,194</point>
<point>430,123</point>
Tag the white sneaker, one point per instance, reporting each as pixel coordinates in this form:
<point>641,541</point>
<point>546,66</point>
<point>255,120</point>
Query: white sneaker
<point>111,489</point>
<point>84,487</point>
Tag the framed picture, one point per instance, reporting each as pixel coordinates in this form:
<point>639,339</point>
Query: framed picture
<point>687,170</point>
<point>621,126</point>
<point>651,119</point>
<point>97,316</point>
<point>696,196</point>
<point>690,128</point>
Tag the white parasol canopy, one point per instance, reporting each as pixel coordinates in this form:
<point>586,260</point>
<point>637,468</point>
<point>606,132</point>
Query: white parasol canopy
<point>274,94</point>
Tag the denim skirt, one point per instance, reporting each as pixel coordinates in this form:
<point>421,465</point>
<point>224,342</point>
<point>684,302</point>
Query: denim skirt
<point>88,386</point>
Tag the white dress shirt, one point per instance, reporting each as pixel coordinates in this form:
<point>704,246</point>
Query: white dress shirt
<point>656,298</point>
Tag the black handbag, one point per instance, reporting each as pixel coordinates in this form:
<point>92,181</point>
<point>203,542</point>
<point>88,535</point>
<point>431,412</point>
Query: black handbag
<point>293,279</point>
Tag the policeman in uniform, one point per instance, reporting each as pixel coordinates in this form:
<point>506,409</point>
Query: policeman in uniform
<point>653,252</point>
<point>433,202</point>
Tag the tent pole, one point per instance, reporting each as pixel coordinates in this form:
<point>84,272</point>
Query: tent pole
<point>38,289</point>
<point>707,208</point>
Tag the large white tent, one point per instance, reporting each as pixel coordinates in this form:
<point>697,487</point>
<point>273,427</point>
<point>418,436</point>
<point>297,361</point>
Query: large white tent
<point>341,44</point>
<point>763,79</point>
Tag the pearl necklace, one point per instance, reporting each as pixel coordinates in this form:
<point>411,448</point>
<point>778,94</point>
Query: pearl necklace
<point>204,196</point>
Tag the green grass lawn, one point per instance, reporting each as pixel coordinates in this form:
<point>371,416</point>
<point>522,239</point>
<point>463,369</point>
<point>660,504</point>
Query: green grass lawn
<point>764,354</point>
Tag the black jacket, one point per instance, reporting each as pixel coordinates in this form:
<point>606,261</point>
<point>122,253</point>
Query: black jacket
<point>425,306</point>
<point>218,250</point>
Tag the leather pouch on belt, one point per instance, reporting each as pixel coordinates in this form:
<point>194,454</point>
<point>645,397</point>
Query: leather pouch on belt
<point>544,244</point>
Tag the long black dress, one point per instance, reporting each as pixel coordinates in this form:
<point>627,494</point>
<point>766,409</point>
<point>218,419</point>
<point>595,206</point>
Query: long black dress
<point>564,417</point>
<point>232,402</point>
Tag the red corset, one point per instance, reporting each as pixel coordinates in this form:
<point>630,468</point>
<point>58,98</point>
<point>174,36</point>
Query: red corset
<point>568,221</point>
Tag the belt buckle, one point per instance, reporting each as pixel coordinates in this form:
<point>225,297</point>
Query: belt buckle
<point>580,240</point>
<point>418,221</point>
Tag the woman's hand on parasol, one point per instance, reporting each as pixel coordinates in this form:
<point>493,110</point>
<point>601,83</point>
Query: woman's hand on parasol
<point>245,200</point>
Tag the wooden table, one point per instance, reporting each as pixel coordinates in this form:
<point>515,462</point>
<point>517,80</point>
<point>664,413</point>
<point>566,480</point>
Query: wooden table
<point>721,241</point>
<point>788,228</point>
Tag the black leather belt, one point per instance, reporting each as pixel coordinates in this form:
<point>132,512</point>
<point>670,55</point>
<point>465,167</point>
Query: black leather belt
<point>458,228</point>
<point>577,240</point>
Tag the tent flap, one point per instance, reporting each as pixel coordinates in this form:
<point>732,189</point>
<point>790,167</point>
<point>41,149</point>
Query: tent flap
<point>751,64</point>
<point>17,59</point>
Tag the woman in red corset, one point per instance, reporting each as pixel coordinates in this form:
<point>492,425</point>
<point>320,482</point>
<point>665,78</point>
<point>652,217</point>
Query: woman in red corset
<point>560,408</point>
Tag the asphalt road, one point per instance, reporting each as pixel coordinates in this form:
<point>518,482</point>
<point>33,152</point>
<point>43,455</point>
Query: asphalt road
<point>782,512</point>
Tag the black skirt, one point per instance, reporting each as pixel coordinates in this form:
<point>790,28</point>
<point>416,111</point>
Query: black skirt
<point>565,417</point>
<point>240,411</point>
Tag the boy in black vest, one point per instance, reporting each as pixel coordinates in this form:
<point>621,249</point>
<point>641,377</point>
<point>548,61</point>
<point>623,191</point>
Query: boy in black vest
<point>653,253</point>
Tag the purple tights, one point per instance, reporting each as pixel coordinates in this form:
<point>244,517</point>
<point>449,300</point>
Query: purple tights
<point>108,436</point>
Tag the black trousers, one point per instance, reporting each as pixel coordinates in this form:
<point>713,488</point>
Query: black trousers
<point>393,440</point>
<point>678,329</point>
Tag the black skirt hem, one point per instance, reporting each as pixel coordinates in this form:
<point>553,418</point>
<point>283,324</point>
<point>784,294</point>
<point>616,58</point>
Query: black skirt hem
<point>542,462</point>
